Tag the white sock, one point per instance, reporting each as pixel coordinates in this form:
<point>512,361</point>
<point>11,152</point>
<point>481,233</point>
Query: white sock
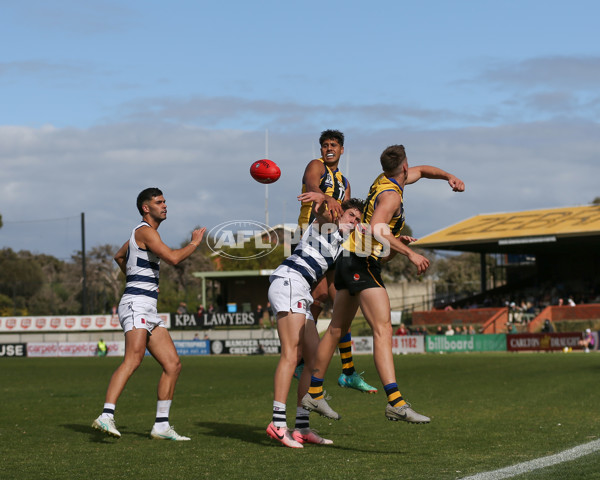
<point>109,410</point>
<point>279,414</point>
<point>162,415</point>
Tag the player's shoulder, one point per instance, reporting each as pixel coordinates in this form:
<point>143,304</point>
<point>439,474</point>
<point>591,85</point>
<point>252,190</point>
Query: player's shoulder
<point>388,197</point>
<point>316,163</point>
<point>146,231</point>
<point>315,167</point>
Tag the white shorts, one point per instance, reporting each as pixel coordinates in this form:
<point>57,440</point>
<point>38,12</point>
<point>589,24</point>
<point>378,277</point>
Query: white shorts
<point>290,294</point>
<point>139,315</point>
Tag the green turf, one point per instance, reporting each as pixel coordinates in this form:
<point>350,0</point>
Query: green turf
<point>488,411</point>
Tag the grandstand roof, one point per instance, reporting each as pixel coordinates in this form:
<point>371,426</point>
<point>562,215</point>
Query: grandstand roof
<point>521,232</point>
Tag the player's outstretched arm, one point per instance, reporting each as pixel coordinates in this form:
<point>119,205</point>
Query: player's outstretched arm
<point>149,238</point>
<point>427,171</point>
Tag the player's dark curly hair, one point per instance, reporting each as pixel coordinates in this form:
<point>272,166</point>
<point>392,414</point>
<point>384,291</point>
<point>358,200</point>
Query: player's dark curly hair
<point>145,196</point>
<point>332,135</point>
<point>353,203</point>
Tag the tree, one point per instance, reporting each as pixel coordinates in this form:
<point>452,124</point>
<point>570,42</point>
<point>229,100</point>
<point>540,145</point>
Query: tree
<point>21,277</point>
<point>460,275</point>
<point>104,280</point>
<point>400,267</point>
<point>177,284</point>
<point>60,290</point>
<point>595,201</point>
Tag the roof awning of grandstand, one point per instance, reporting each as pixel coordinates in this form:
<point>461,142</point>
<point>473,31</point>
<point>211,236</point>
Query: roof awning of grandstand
<point>233,273</point>
<point>520,232</point>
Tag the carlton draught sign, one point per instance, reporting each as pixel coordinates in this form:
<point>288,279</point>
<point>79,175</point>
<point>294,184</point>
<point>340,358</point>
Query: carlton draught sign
<point>542,341</point>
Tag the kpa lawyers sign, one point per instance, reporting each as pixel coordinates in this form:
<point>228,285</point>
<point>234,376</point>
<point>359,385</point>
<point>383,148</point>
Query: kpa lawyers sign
<point>212,320</point>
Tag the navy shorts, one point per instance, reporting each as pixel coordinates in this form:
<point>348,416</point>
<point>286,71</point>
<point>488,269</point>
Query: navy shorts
<point>355,274</point>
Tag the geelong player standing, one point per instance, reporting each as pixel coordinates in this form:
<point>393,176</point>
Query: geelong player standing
<point>139,259</point>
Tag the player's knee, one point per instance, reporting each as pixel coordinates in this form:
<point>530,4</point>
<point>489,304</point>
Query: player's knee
<point>382,329</point>
<point>320,298</point>
<point>173,367</point>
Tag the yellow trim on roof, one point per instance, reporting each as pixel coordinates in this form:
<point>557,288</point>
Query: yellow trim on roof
<point>559,222</point>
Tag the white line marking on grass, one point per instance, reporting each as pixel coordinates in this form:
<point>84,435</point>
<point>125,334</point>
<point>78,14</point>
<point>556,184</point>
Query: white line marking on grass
<point>543,462</point>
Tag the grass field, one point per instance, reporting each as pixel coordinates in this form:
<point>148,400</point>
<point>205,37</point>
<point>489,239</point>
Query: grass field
<point>488,411</point>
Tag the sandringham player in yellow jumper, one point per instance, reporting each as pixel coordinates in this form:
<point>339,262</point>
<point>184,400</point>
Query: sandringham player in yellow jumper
<point>358,280</point>
<point>323,176</point>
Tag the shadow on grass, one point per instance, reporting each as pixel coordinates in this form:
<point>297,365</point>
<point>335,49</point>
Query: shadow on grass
<point>96,436</point>
<point>258,435</point>
<point>246,433</point>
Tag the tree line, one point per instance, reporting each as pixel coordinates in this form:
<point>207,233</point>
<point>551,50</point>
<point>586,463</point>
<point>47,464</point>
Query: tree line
<point>39,284</point>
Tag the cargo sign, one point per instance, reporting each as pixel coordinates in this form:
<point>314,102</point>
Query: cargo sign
<point>72,349</point>
<point>542,341</point>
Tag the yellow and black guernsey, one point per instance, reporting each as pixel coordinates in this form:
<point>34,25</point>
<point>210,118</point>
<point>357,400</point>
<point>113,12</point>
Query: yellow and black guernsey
<point>362,243</point>
<point>333,183</point>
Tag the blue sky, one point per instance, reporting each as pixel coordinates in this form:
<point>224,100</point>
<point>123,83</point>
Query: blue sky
<point>101,99</point>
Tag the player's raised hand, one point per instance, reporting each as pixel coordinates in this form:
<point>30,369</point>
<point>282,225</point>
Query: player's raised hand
<point>406,239</point>
<point>323,201</point>
<point>456,183</point>
<point>197,235</point>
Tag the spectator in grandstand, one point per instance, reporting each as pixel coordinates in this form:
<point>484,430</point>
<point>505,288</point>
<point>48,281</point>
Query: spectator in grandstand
<point>548,327</point>
<point>510,328</point>
<point>561,302</point>
<point>258,316</point>
<point>471,330</point>
<point>401,330</point>
<point>571,302</point>
<point>458,330</point>
<point>439,330</point>
<point>200,311</point>
<point>182,308</point>
<point>587,342</point>
<point>449,331</point>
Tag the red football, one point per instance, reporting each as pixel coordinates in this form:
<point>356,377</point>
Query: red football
<point>265,171</point>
